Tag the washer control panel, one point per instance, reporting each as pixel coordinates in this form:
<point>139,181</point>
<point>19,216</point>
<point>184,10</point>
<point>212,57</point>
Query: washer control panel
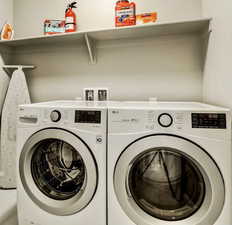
<point>87,116</point>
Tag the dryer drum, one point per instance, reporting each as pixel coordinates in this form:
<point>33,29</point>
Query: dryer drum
<point>57,169</point>
<point>166,184</point>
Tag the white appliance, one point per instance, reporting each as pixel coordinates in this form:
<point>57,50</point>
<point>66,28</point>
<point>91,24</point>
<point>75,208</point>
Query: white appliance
<point>169,164</point>
<point>61,161</point>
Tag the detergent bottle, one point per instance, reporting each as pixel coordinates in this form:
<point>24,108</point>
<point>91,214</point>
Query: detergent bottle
<point>70,18</point>
<point>125,13</point>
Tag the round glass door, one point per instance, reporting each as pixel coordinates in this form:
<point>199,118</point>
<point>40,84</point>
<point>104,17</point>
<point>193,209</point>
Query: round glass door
<point>166,184</point>
<point>58,171</point>
<point>165,179</point>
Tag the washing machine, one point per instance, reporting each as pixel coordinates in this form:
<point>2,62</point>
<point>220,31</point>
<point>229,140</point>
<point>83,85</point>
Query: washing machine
<point>61,161</point>
<point>169,164</point>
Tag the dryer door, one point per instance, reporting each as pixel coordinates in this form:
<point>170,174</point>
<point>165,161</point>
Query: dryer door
<point>166,179</point>
<point>58,171</point>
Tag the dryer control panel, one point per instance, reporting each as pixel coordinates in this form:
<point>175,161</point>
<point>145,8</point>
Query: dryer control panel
<point>195,123</point>
<point>209,120</point>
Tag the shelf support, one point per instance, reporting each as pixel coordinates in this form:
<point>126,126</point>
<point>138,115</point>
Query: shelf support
<point>210,26</point>
<point>8,68</point>
<point>91,47</point>
<point>205,42</point>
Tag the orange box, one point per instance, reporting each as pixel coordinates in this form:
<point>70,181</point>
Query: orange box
<point>54,27</point>
<point>146,18</point>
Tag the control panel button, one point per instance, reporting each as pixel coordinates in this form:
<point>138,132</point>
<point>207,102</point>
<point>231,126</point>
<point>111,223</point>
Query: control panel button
<point>179,118</point>
<point>99,140</point>
<point>55,116</point>
<point>165,120</point>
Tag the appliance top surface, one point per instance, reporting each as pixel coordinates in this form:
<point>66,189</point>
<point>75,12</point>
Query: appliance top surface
<point>68,104</point>
<point>188,106</point>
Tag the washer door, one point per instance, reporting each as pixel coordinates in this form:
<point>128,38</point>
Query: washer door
<point>58,171</point>
<point>166,179</point>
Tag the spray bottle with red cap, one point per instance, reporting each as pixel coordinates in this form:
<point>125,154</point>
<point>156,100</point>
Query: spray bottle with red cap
<point>70,18</point>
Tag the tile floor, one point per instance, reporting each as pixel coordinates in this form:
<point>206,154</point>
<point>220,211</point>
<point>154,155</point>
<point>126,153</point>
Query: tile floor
<point>8,210</point>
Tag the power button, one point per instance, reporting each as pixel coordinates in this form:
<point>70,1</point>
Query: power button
<point>165,120</point>
<point>55,116</point>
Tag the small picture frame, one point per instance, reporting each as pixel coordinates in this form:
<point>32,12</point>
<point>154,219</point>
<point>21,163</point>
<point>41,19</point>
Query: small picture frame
<point>89,95</point>
<point>102,94</point>
<point>96,94</point>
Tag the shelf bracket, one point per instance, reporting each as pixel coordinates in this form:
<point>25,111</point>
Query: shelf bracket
<point>210,26</point>
<point>207,32</point>
<point>205,42</point>
<point>9,68</point>
<point>90,43</point>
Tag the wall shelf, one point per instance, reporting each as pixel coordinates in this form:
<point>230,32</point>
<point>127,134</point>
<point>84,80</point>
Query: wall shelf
<point>88,38</point>
<point>9,68</point>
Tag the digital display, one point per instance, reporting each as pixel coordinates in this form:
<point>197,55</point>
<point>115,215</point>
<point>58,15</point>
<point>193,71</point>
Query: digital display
<point>209,120</point>
<point>82,116</point>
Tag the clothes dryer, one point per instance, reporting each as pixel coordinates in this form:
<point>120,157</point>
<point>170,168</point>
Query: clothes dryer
<point>169,164</point>
<point>61,161</point>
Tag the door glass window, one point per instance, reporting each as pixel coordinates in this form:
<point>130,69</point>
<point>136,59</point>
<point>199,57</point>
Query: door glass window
<point>58,169</point>
<point>166,184</point>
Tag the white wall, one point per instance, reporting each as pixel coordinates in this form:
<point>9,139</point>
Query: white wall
<point>167,67</point>
<point>6,12</point>
<point>91,14</point>
<point>217,84</point>
<point>6,15</point>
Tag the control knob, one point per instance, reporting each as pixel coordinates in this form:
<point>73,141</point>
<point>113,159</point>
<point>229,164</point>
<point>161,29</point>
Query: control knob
<point>55,116</point>
<point>165,120</point>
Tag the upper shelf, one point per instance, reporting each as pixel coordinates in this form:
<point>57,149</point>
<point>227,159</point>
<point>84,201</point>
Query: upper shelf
<point>138,31</point>
<point>153,30</point>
